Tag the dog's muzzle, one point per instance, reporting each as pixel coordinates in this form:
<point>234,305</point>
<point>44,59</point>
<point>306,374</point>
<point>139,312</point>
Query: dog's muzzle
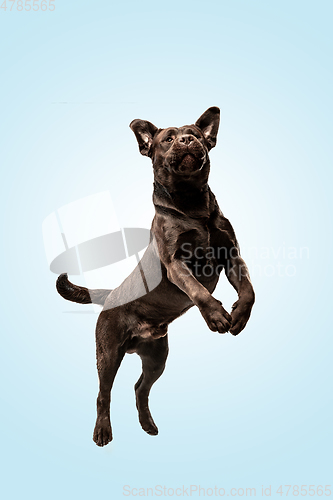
<point>187,156</point>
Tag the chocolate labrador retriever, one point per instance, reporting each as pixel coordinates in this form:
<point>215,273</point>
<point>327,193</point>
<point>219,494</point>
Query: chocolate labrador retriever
<point>192,242</point>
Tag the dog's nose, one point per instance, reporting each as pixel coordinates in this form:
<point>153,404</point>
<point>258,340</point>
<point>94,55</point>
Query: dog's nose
<point>186,139</point>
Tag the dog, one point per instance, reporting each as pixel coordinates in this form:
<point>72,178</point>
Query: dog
<point>192,242</point>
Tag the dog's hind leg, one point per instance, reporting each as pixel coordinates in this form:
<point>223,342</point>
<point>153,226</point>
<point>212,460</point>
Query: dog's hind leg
<point>110,351</point>
<point>153,355</point>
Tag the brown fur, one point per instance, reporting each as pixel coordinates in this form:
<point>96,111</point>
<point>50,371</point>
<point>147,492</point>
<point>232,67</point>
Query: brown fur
<point>187,221</point>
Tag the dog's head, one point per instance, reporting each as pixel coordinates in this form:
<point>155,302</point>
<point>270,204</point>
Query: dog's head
<point>179,154</point>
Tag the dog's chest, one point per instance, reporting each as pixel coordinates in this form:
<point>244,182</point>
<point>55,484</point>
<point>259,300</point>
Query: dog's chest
<point>196,245</point>
<point>203,244</point>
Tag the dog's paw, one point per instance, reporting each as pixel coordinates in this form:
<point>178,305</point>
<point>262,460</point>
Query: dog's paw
<point>150,428</point>
<point>240,316</point>
<point>147,423</point>
<point>216,317</point>
<point>102,432</point>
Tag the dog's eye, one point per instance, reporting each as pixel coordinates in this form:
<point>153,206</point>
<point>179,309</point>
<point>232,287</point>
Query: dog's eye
<point>169,139</point>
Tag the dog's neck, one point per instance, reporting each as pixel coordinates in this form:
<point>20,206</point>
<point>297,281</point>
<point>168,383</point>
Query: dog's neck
<point>187,199</point>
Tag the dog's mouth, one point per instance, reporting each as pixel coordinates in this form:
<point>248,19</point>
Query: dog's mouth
<point>187,164</point>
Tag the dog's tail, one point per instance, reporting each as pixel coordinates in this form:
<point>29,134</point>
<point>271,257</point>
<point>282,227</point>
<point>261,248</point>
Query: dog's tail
<point>80,294</point>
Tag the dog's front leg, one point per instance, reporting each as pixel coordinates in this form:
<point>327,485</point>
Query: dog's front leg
<point>238,275</point>
<point>216,317</point>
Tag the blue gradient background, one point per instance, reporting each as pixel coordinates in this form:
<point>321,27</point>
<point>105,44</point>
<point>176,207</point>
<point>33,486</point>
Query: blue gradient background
<point>232,412</point>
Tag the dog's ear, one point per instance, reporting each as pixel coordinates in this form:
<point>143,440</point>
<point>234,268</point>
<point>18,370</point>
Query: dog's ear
<point>209,125</point>
<point>144,133</point>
